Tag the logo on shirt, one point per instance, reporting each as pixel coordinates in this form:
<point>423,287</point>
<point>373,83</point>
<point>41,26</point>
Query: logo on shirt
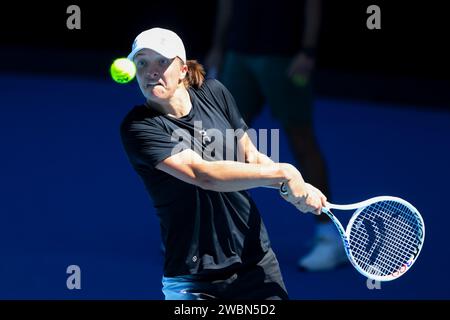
<point>205,138</point>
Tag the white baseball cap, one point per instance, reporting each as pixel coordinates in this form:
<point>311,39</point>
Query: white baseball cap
<point>163,41</point>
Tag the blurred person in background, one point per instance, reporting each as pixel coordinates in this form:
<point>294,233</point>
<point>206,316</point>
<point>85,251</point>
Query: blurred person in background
<point>265,52</point>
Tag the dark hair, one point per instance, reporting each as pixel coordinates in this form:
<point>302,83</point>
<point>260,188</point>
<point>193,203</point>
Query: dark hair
<point>195,75</point>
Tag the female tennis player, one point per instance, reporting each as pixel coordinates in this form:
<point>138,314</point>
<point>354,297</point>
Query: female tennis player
<point>217,246</point>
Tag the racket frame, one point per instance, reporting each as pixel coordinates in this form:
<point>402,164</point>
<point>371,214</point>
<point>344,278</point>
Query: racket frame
<point>345,233</point>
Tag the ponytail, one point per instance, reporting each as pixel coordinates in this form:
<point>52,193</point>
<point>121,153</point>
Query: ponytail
<point>195,75</point>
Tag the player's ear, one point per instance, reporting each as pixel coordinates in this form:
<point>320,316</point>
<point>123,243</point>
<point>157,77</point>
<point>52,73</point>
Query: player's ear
<point>183,69</point>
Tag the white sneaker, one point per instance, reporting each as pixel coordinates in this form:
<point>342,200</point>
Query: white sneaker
<point>327,253</point>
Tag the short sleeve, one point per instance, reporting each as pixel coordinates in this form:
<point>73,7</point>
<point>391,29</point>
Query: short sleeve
<point>227,101</point>
<point>146,143</point>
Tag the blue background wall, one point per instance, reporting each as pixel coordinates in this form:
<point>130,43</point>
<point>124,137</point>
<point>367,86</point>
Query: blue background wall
<point>68,195</point>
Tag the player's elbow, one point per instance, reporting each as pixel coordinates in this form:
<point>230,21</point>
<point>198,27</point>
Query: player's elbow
<point>204,177</point>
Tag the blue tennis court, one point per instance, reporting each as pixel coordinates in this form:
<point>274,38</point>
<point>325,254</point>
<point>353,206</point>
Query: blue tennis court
<point>70,197</point>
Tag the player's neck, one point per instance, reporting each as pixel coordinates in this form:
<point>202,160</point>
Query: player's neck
<point>177,106</point>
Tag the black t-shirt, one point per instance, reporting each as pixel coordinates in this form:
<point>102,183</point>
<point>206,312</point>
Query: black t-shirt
<point>267,27</point>
<point>204,232</point>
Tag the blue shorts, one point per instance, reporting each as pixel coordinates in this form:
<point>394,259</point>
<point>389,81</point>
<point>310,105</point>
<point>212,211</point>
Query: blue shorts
<point>262,281</point>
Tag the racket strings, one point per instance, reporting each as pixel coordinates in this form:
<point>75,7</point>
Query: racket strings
<point>391,255</point>
<point>406,235</point>
<point>384,250</point>
<point>384,237</point>
<point>383,259</point>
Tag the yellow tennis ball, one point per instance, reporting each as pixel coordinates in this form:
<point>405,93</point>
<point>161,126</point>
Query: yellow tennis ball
<point>123,70</point>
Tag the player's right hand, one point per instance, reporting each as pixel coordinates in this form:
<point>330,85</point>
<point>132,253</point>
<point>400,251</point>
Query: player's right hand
<point>303,196</point>
<point>316,199</point>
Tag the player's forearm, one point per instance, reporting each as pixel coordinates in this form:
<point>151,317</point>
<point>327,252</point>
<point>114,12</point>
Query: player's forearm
<point>261,158</point>
<point>228,176</point>
<point>313,15</point>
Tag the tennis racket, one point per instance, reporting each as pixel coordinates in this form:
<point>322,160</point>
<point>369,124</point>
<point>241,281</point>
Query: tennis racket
<point>383,237</point>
